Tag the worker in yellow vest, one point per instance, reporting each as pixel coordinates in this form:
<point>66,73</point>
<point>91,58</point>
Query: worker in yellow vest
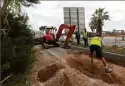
<point>96,45</point>
<point>85,37</point>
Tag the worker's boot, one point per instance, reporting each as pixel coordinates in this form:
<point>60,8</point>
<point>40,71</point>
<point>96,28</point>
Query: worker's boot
<point>108,70</point>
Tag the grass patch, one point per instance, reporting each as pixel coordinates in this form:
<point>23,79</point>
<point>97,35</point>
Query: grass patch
<point>119,50</point>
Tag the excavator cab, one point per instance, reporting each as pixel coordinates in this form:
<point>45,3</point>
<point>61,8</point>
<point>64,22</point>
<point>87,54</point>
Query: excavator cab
<point>53,41</point>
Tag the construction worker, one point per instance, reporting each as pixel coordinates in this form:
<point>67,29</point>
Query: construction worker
<point>85,37</point>
<point>96,45</point>
<point>78,37</point>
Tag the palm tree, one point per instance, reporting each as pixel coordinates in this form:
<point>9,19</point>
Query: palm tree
<point>97,20</point>
<point>42,28</point>
<point>93,23</point>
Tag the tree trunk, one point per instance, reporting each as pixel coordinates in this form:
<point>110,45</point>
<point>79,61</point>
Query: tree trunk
<point>99,29</point>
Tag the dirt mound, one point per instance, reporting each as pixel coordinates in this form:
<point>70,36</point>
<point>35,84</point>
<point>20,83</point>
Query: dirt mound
<point>74,69</point>
<point>49,71</point>
<point>94,71</point>
<point>60,79</point>
<point>79,79</point>
<point>72,77</point>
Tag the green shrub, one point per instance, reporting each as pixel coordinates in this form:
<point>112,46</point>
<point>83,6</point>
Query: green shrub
<point>16,47</point>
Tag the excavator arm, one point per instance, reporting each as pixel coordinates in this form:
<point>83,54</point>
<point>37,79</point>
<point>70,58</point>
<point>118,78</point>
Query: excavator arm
<point>45,40</point>
<point>70,32</point>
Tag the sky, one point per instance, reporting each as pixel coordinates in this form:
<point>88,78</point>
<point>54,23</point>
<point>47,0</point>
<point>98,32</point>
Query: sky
<point>50,13</point>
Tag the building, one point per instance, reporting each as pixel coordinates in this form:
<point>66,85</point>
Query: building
<point>106,33</point>
<point>118,32</point>
<point>75,15</point>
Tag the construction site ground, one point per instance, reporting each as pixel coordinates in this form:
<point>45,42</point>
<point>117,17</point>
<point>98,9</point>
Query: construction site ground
<point>65,67</point>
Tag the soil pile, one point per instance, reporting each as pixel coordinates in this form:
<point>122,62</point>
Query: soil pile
<point>73,69</point>
<point>73,77</point>
<point>49,71</point>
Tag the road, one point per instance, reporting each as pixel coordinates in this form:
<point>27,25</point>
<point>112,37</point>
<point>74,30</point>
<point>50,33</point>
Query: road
<point>111,41</point>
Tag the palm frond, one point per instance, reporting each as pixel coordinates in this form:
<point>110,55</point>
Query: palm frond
<point>98,18</point>
<point>106,13</point>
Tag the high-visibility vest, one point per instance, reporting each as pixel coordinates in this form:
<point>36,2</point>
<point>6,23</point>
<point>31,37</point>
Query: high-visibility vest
<point>85,34</point>
<point>96,41</point>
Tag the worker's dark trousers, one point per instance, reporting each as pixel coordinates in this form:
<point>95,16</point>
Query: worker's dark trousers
<point>78,41</point>
<point>86,42</point>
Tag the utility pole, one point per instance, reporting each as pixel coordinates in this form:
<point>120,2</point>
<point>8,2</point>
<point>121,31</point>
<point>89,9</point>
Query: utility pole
<point>70,16</point>
<point>78,19</point>
<point>84,18</point>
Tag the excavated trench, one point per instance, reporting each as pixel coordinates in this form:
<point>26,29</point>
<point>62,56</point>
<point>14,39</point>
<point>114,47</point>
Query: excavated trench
<point>56,74</point>
<point>49,71</point>
<point>92,70</point>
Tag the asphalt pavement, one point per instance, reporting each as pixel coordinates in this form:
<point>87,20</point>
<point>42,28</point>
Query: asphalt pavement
<point>109,41</point>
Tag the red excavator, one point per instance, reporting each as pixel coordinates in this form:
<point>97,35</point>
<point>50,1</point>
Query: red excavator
<point>49,39</point>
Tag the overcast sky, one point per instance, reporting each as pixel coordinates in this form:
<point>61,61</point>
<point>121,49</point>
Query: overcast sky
<point>50,13</point>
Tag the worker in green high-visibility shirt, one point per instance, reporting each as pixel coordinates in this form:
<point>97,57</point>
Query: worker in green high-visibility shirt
<point>85,37</point>
<point>96,45</point>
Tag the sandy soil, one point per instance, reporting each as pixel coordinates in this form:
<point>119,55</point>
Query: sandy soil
<point>60,67</point>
